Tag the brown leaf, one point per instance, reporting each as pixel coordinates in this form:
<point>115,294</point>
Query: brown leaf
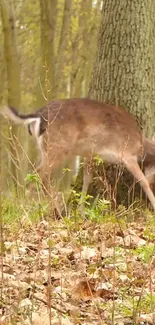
<point>84,290</point>
<point>105,294</point>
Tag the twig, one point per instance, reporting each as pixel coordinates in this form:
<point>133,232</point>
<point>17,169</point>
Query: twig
<point>49,304</point>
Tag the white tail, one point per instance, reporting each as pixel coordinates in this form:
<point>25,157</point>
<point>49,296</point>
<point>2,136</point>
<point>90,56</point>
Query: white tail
<point>86,127</point>
<point>32,120</point>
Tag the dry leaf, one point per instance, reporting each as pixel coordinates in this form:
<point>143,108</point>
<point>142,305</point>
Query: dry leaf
<point>86,253</point>
<point>149,318</point>
<point>25,303</point>
<point>105,294</point>
<point>40,319</point>
<point>83,290</point>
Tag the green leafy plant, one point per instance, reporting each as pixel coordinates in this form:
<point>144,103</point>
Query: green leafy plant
<point>34,178</point>
<point>145,253</point>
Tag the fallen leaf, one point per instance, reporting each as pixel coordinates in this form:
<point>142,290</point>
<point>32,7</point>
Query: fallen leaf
<point>86,253</point>
<point>149,318</point>
<point>84,290</point>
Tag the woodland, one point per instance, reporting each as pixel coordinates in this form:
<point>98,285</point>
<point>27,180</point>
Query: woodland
<point>60,264</point>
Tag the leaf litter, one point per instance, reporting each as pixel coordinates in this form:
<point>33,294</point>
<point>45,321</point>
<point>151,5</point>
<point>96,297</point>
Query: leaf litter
<point>53,274</point>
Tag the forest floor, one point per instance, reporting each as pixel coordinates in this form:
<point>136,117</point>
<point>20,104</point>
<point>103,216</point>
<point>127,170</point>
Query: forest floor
<point>75,270</point>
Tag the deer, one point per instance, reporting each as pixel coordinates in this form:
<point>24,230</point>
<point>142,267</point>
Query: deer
<point>86,127</point>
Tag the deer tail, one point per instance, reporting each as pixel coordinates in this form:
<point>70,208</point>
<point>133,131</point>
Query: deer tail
<point>32,120</point>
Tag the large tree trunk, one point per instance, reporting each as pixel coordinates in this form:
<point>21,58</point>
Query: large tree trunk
<point>124,70</point>
<point>124,74</point>
<point>13,77</point>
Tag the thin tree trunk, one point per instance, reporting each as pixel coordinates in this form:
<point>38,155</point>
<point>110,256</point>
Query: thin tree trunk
<point>2,131</point>
<point>83,48</point>
<point>46,81</point>
<point>61,75</point>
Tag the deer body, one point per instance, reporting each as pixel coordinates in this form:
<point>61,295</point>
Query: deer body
<point>86,127</point>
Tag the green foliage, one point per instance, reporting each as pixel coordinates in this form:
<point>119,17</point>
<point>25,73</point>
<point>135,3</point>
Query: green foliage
<point>12,210</point>
<point>34,178</point>
<point>145,253</point>
<point>66,170</point>
<point>145,303</point>
<point>98,160</point>
<point>99,212</point>
<point>16,210</point>
<point>150,225</point>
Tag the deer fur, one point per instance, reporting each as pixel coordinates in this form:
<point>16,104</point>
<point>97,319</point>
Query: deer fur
<point>86,127</point>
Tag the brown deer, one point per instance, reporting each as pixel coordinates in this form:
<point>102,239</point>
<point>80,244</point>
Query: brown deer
<point>87,127</point>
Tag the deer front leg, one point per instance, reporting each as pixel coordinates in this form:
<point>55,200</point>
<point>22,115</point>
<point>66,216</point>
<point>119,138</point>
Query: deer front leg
<point>132,165</point>
<point>87,178</point>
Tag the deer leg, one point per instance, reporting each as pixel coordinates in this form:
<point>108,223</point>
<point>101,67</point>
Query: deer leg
<point>87,178</point>
<point>133,167</point>
<point>150,175</point>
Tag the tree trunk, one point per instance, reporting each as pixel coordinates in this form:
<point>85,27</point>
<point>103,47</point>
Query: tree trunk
<point>124,71</point>
<point>124,74</point>
<point>3,160</point>
<point>83,47</point>
<point>13,77</point>
<point>46,82</point>
<point>61,74</point>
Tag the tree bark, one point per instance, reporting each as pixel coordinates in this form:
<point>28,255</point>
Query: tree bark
<point>3,160</point>
<point>124,72</point>
<point>61,74</point>
<point>83,46</point>
<point>46,84</point>
<point>13,77</point>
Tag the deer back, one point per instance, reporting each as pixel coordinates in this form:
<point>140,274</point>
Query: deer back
<point>84,126</point>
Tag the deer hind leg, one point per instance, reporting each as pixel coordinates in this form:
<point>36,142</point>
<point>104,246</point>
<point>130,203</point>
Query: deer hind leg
<point>150,175</point>
<point>133,167</point>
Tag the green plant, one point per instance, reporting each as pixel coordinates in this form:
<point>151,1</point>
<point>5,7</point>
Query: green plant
<point>34,178</point>
<point>145,253</point>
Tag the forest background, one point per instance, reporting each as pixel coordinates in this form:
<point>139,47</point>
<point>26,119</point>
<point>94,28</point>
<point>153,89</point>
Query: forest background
<point>47,49</point>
